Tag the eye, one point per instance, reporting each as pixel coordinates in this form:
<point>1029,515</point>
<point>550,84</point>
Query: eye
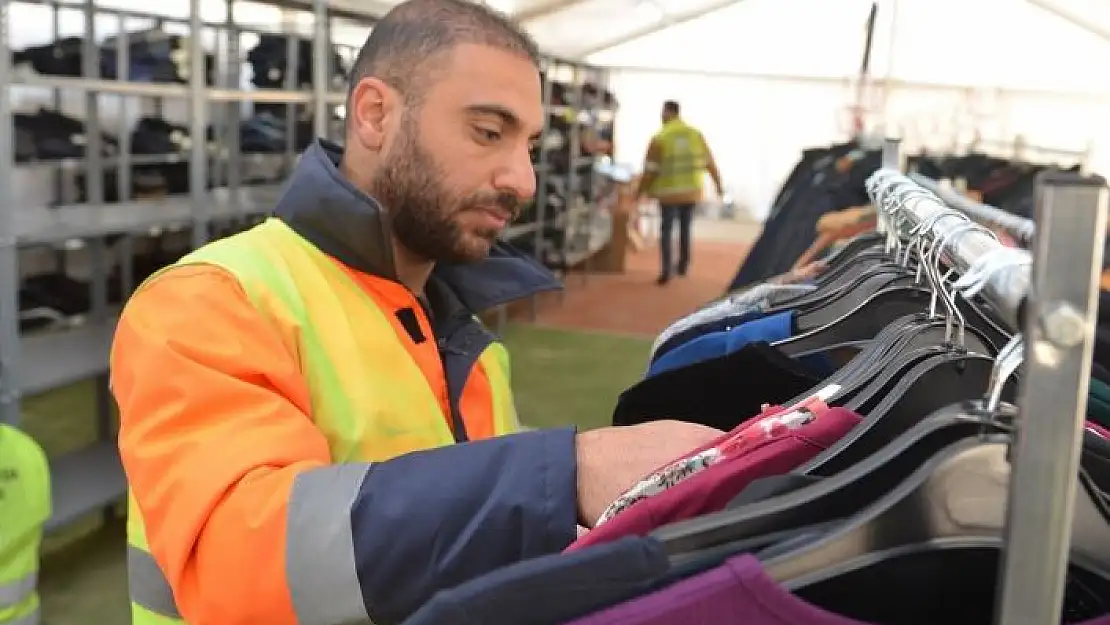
<point>487,135</point>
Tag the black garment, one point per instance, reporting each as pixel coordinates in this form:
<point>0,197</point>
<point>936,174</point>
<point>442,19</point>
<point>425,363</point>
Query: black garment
<point>684,215</point>
<point>720,392</point>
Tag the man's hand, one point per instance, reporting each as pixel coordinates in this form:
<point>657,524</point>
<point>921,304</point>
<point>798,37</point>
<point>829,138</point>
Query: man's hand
<point>611,460</point>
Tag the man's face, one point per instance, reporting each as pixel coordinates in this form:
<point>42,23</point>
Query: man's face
<point>457,169</point>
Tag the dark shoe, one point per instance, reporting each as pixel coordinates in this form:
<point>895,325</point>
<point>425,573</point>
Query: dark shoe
<point>663,279</point>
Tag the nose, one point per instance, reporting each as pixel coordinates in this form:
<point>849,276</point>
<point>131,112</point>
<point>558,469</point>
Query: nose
<point>518,177</point>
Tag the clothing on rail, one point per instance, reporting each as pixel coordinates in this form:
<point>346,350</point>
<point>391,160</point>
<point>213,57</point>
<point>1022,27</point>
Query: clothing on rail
<point>849,407</point>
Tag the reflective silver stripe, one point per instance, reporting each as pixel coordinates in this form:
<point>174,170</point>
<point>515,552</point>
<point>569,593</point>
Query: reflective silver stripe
<point>147,584</point>
<point>29,619</point>
<point>320,556</point>
<point>15,591</point>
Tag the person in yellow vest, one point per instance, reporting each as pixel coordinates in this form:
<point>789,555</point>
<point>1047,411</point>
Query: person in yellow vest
<point>677,160</point>
<point>315,428</point>
<point>24,509</point>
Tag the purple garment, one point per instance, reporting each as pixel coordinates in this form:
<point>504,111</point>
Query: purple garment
<point>735,593</point>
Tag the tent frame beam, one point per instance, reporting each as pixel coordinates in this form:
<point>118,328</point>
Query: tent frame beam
<point>545,9</point>
<point>1070,17</point>
<point>668,21</point>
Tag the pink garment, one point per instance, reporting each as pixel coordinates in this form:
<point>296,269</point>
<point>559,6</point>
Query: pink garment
<point>779,448</point>
<point>1098,429</point>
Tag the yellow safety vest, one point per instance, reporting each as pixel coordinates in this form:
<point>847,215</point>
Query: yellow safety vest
<point>24,509</point>
<point>682,160</point>
<point>369,397</point>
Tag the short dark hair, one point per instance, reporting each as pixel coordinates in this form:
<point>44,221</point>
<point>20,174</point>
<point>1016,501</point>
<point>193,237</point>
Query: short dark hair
<point>403,46</point>
<point>670,106</point>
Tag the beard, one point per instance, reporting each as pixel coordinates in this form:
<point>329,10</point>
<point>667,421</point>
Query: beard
<point>424,211</point>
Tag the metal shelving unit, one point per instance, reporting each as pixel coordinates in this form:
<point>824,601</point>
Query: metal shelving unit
<point>91,478</point>
<point>586,230</point>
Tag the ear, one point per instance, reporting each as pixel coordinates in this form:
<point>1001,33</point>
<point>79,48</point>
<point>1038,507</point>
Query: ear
<point>373,103</point>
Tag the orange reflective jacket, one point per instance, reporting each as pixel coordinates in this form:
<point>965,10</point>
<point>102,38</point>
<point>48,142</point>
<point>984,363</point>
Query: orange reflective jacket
<point>255,379</point>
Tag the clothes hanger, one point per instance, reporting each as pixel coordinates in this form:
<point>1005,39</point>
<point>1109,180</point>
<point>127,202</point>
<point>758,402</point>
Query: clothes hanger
<point>918,384</point>
<point>960,493</point>
<point>835,498</point>
<point>864,255</point>
<point>934,337</point>
<point>868,313</point>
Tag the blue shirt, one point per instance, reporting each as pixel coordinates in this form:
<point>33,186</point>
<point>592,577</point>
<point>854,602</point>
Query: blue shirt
<point>772,328</point>
<point>550,589</point>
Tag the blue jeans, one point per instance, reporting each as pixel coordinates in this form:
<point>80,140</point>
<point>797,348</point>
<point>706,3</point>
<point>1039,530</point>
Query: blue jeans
<point>684,214</point>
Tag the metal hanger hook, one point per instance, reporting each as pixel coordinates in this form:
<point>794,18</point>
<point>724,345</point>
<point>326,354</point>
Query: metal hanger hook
<point>949,296</point>
<point>1007,362</point>
<point>934,275</point>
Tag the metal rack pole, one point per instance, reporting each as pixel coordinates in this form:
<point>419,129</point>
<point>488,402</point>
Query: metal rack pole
<point>1006,290</point>
<point>1020,227</point>
<point>234,109</point>
<point>892,154</point>
<point>543,168</point>
<point>572,174</point>
<point>125,253</point>
<point>1072,212</point>
<point>321,68</point>
<point>9,261</point>
<point>892,160</point>
<point>198,128</point>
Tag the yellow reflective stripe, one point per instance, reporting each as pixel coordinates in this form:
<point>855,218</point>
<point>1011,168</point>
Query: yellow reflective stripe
<point>16,591</point>
<point>495,363</point>
<point>31,618</point>
<point>320,551</point>
<point>147,585</point>
<point>143,616</point>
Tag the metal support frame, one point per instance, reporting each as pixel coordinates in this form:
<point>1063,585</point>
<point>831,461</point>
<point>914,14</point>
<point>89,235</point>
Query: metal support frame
<point>1016,226</point>
<point>668,21</point>
<point>9,259</point>
<point>198,129</point>
<point>1053,8</point>
<point>1059,333</point>
<point>545,9</point>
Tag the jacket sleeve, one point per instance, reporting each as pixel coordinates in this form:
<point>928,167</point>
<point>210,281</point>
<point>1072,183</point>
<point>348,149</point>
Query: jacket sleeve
<point>246,516</point>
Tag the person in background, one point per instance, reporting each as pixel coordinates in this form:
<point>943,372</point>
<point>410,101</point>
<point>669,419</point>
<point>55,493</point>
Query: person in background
<point>677,160</point>
<point>314,426</point>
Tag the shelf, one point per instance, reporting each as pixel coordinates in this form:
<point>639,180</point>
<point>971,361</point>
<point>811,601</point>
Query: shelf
<point>85,481</point>
<point>42,225</point>
<point>53,359</point>
<point>169,90</point>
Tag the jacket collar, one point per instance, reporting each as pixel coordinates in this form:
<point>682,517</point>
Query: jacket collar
<point>328,211</point>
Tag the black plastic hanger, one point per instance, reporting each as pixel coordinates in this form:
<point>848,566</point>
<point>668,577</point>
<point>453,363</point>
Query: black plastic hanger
<point>959,493</point>
<point>863,322</point>
<point>921,342</point>
<point>867,278</point>
<point>941,380</point>
<point>838,497</point>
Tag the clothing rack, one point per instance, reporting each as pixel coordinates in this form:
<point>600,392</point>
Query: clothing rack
<point>1006,288</point>
<point>1055,302</point>
<point>1016,226</point>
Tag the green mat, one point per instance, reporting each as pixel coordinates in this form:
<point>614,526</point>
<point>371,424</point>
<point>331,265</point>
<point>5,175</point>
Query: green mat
<point>560,378</point>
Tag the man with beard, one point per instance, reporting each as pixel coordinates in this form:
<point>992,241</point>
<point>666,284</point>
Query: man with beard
<point>314,427</point>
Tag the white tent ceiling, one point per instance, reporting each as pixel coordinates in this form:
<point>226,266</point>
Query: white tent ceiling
<point>1045,45</point>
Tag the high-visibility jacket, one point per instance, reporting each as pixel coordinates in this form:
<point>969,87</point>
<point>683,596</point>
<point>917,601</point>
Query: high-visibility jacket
<point>24,509</point>
<point>682,161</point>
<point>354,362</point>
<point>269,387</point>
